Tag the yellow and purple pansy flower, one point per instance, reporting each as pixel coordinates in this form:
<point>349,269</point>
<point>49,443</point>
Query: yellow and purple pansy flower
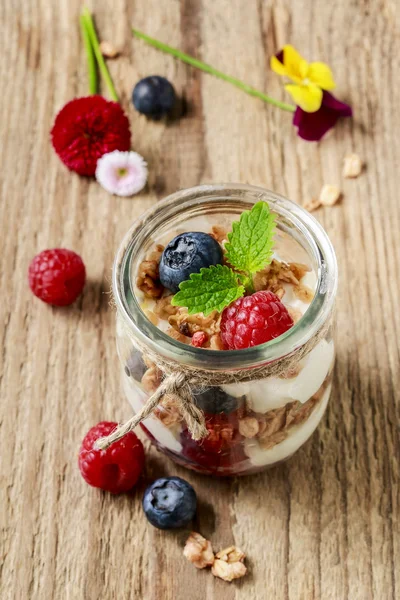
<point>317,109</point>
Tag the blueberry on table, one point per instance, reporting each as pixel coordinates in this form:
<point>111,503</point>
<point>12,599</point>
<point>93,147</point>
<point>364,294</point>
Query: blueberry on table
<point>153,96</point>
<point>187,253</point>
<point>169,503</point>
<point>215,401</point>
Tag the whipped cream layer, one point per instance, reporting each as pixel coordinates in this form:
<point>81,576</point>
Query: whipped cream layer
<point>274,392</point>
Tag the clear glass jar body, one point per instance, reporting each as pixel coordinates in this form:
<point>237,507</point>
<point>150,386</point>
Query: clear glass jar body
<point>255,424</point>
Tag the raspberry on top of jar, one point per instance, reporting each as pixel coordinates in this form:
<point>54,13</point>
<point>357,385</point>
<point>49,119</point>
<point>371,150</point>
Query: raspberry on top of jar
<point>226,290</point>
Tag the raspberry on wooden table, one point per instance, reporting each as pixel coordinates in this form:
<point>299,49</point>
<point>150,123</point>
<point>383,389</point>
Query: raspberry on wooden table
<point>254,320</point>
<point>116,469</point>
<point>57,276</point>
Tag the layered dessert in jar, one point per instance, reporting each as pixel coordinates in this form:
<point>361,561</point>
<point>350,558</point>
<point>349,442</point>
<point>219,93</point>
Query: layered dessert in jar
<point>232,280</point>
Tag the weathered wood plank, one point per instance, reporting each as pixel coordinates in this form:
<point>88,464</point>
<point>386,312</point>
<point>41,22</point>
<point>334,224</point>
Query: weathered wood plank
<point>326,524</point>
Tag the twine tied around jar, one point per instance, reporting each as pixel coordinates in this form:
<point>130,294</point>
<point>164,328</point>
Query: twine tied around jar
<point>180,380</point>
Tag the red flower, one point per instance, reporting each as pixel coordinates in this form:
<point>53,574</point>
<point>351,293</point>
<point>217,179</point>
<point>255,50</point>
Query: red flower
<point>313,126</point>
<point>87,128</point>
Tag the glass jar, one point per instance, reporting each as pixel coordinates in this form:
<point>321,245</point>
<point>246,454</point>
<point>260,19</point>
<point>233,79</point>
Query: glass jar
<point>254,424</point>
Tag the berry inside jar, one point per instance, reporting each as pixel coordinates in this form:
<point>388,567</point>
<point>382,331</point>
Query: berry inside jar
<point>218,283</point>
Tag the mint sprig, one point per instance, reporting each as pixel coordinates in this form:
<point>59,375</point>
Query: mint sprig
<point>211,289</point>
<point>249,246</point>
<point>248,250</point>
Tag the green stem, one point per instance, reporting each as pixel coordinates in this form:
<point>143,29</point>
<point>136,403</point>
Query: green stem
<point>250,284</point>
<point>99,57</point>
<point>91,61</point>
<point>190,60</point>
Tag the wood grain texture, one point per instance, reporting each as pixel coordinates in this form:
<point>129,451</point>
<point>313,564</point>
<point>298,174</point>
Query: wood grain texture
<point>325,525</point>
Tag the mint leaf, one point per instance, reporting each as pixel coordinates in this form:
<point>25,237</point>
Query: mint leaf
<point>249,246</point>
<point>213,288</point>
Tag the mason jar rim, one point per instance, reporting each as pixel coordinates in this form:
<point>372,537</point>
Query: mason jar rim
<point>177,203</point>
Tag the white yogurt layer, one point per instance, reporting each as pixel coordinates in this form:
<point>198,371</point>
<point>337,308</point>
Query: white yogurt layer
<point>296,438</point>
<point>271,393</point>
<point>163,435</point>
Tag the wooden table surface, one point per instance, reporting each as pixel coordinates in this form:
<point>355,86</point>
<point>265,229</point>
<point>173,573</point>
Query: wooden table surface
<point>323,525</point>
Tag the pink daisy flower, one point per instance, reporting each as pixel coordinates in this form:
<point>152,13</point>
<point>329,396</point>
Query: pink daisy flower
<point>122,173</point>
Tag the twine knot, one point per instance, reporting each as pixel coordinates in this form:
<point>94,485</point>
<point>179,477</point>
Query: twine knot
<point>176,386</point>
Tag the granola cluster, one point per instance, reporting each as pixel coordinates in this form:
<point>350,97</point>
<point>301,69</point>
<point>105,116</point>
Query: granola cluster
<point>198,551</point>
<point>274,426</point>
<point>148,280</point>
<point>277,273</point>
<point>227,564</point>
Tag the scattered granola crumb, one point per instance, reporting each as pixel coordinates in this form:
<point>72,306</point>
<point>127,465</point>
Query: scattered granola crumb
<point>163,307</point>
<point>291,373</point>
<point>270,441</point>
<point>219,233</point>
<point>167,411</point>
<point>272,277</point>
<point>216,342</point>
<point>295,313</point>
<point>152,379</point>
<point>249,427</point>
<point>329,195</point>
<point>311,204</point>
<point>151,316</point>
<point>228,564</point>
<point>352,166</point>
<point>231,554</point>
<point>262,424</point>
<point>108,50</point>
<point>274,427</point>
<point>299,270</point>
<point>190,324</point>
<point>177,335</point>
<point>303,292</point>
<point>148,276</point>
<point>198,551</point>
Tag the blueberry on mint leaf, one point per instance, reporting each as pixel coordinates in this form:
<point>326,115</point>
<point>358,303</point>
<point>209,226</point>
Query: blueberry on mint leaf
<point>215,401</point>
<point>153,96</point>
<point>188,253</point>
<point>135,366</point>
<point>169,503</point>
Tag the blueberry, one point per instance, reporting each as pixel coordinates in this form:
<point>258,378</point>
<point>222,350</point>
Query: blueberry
<point>187,253</point>
<point>135,366</point>
<point>153,96</point>
<point>214,401</point>
<point>169,503</point>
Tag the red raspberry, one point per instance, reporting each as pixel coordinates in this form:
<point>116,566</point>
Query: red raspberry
<point>116,469</point>
<point>199,339</point>
<point>87,128</point>
<point>254,320</point>
<point>57,276</point>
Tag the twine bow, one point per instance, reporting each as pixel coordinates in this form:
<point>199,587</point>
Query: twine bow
<point>177,387</point>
